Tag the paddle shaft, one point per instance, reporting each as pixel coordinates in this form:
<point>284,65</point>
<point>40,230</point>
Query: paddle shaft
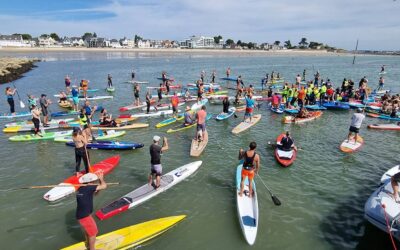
<point>275,199</point>
<point>20,102</point>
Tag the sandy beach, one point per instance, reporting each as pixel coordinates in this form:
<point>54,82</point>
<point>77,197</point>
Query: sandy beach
<point>185,51</point>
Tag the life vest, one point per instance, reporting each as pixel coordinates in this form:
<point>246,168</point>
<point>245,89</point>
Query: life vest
<point>309,90</point>
<point>290,92</point>
<point>83,120</point>
<point>323,89</point>
<point>248,163</point>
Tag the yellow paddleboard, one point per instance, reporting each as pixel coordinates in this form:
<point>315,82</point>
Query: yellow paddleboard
<point>131,236</point>
<point>12,129</point>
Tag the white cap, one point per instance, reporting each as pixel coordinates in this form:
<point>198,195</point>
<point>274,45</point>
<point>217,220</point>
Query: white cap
<point>89,177</point>
<point>156,138</point>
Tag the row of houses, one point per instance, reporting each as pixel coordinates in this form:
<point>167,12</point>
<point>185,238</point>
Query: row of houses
<point>193,42</point>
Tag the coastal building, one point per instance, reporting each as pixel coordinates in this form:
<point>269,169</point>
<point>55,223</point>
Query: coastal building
<point>114,43</point>
<point>46,41</point>
<point>156,44</point>
<point>13,41</point>
<point>77,42</point>
<point>127,43</point>
<point>201,42</point>
<point>143,44</point>
<point>66,42</point>
<point>99,42</point>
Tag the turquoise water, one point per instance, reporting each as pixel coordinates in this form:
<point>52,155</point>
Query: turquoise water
<point>322,193</point>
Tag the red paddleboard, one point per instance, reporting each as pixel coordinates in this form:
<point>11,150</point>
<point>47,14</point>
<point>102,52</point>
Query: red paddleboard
<point>285,158</point>
<point>64,190</point>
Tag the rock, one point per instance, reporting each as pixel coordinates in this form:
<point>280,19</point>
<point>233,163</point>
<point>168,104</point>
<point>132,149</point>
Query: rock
<point>12,69</point>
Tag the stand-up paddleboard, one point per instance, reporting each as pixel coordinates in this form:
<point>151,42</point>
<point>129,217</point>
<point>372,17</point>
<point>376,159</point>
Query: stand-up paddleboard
<point>224,116</point>
<point>388,174</point>
<point>167,79</point>
<point>154,114</point>
<point>29,128</point>
<point>232,79</point>
<point>277,110</point>
<point>382,73</point>
<point>65,104</point>
<point>17,115</point>
<point>199,104</point>
<point>315,107</point>
<point>110,89</point>
<point>163,106</point>
<point>138,82</point>
<point>29,123</point>
<point>104,97</point>
<point>146,192</point>
<point>123,126</point>
<point>170,121</point>
<point>247,208</point>
<point>80,92</point>
<point>293,119</point>
<point>285,158</point>
<point>382,126</point>
<point>184,127</point>
<point>109,134</point>
<point>71,112</point>
<point>134,106</point>
<point>64,190</point>
<point>352,146</point>
<point>197,147</point>
<point>45,136</point>
<point>110,145</point>
<point>178,86</point>
<point>132,236</point>
<point>246,124</point>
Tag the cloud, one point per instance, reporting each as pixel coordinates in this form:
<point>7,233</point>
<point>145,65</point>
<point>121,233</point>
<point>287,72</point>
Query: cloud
<point>338,23</point>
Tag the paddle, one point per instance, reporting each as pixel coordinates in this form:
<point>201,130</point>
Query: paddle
<point>52,186</point>
<point>20,101</point>
<point>275,199</point>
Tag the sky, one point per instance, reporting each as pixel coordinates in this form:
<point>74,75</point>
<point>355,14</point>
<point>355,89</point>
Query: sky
<point>338,23</point>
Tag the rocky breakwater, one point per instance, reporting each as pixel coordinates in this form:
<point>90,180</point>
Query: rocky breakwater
<point>12,68</point>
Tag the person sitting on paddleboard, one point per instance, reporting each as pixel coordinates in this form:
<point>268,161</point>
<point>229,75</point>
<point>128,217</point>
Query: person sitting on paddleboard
<point>303,113</point>
<point>201,123</point>
<point>63,97</point>
<point>251,165</point>
<point>249,107</point>
<point>174,104</point>
<point>36,119</point>
<point>155,153</point>
<point>136,93</point>
<point>356,121</point>
<point>225,104</point>
<point>109,80</point>
<point>80,141</point>
<point>84,209</point>
<point>10,99</point>
<point>286,143</point>
<point>106,119</point>
<point>188,120</point>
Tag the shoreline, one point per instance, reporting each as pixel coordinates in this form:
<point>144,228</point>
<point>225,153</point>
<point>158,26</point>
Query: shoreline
<point>12,69</point>
<point>179,51</point>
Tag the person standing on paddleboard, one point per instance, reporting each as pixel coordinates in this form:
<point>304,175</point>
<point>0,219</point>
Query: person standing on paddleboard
<point>85,87</point>
<point>356,121</point>
<point>174,104</point>
<point>67,82</point>
<point>80,141</point>
<point>251,166</point>
<point>155,153</point>
<point>136,93</point>
<point>159,93</point>
<point>201,132</point>
<point>36,119</point>
<point>225,104</point>
<point>228,72</point>
<point>10,99</point>
<point>213,75</point>
<point>249,107</point>
<point>148,102</point>
<point>133,74</point>
<point>381,83</point>
<point>75,97</point>
<point>84,209</point>
<point>109,79</point>
<point>44,104</point>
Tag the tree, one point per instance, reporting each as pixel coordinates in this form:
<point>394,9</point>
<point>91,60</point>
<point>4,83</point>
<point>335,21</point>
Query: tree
<point>137,38</point>
<point>314,45</point>
<point>251,45</point>
<point>87,35</point>
<point>217,39</point>
<point>94,34</point>
<point>229,42</point>
<point>24,36</point>
<point>44,35</point>
<point>55,36</point>
<point>303,43</point>
<point>277,43</point>
<point>288,44</point>
<point>239,43</point>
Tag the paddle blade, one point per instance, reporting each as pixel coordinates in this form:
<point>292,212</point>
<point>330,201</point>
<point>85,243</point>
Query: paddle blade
<point>276,201</point>
<point>21,104</point>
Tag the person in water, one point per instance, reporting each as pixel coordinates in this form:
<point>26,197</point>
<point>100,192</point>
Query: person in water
<point>80,140</point>
<point>155,154</point>
<point>91,184</point>
<point>109,80</point>
<point>188,119</point>
<point>356,121</point>
<point>10,99</point>
<point>36,119</point>
<point>249,107</point>
<point>286,143</point>
<point>250,167</point>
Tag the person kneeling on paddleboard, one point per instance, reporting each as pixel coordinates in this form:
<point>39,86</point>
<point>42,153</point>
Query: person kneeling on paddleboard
<point>188,117</point>
<point>286,143</point>
<point>155,154</point>
<point>84,209</point>
<point>251,165</point>
<point>356,121</point>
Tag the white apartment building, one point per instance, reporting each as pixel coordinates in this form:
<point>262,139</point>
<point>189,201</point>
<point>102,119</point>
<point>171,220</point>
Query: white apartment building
<point>201,42</point>
<point>13,41</point>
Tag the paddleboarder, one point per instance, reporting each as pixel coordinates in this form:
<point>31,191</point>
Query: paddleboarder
<point>155,153</point>
<point>80,141</point>
<point>228,72</point>
<point>67,82</point>
<point>75,97</point>
<point>174,104</point>
<point>36,119</point>
<point>249,107</point>
<point>383,68</point>
<point>286,143</point>
<point>251,166</point>
<point>213,75</point>
<point>133,74</point>
<point>304,75</point>
<point>356,121</point>
<point>84,209</point>
<point>136,93</point>
<point>159,93</point>
<point>188,117</point>
<point>44,104</point>
<point>84,86</point>
<point>109,79</point>
<point>225,104</point>
<point>381,83</point>
<point>148,102</point>
<point>201,124</point>
<point>10,99</point>
<point>395,186</point>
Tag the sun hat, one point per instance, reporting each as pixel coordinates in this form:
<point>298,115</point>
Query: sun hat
<point>89,177</point>
<point>156,138</point>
